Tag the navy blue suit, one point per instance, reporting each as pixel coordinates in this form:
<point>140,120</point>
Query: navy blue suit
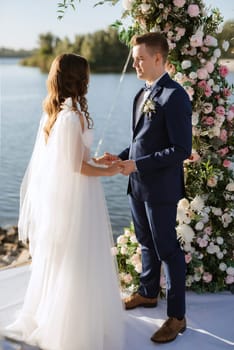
<point>161,141</point>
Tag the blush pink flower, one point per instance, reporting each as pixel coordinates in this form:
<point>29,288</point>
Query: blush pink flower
<point>223,151</point>
<point>208,91</point>
<point>188,258</point>
<point>179,3</point>
<point>196,40</point>
<point>208,121</point>
<point>227,92</point>
<point>223,71</point>
<point>220,110</point>
<point>210,41</point>
<point>229,279</point>
<point>202,84</point>
<point>223,135</point>
<point>208,230</point>
<point>212,181</point>
<point>193,10</point>
<point>209,67</point>
<point>227,163</point>
<point>180,31</point>
<point>202,73</point>
<point>207,277</point>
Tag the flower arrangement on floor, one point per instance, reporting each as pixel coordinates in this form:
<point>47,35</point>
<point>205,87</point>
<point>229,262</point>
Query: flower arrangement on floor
<point>206,218</point>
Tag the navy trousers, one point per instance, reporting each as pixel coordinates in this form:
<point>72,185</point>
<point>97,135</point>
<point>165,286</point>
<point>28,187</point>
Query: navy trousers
<point>155,231</point>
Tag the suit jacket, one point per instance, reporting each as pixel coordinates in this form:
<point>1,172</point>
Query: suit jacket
<point>161,141</point>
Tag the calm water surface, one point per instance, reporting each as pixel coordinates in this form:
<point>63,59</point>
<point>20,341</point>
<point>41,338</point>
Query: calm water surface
<point>22,92</point>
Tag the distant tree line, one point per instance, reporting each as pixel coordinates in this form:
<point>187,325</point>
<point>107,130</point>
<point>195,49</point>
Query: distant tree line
<point>5,52</point>
<point>102,49</point>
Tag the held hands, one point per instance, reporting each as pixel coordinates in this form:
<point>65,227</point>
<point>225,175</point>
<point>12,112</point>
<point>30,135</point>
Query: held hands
<point>116,165</point>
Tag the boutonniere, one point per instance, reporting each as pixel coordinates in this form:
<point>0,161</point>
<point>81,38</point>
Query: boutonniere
<point>149,107</point>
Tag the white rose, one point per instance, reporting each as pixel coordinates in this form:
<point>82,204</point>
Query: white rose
<point>114,251</point>
<point>210,249</point>
<point>122,239</point>
<point>123,250</point>
<point>138,268</point>
<point>219,240</point>
<point>199,226</point>
<point>217,53</point>
<point>216,88</point>
<point>219,255</point>
<point>197,277</point>
<point>186,64</point>
<point>222,266</point>
<point>193,75</point>
<point>217,211</point>
<point>179,76</point>
<point>145,8</point>
<point>230,187</point>
<point>210,82</point>
<point>226,219</point>
<point>230,270</point>
<point>183,203</point>
<point>221,101</point>
<point>216,248</point>
<point>225,45</point>
<point>195,119</point>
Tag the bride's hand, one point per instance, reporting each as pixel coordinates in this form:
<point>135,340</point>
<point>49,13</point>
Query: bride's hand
<point>114,169</point>
<point>106,159</point>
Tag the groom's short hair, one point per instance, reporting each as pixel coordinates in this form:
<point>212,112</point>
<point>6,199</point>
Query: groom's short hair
<point>154,41</point>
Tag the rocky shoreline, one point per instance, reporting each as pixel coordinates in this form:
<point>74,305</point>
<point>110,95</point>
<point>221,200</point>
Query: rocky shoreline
<point>12,251</point>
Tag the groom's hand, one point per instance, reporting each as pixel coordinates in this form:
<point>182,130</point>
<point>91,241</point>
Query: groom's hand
<point>128,167</point>
<point>106,159</point>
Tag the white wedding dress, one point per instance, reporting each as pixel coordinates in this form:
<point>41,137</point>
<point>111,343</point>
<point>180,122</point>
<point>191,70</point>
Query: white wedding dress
<point>72,300</point>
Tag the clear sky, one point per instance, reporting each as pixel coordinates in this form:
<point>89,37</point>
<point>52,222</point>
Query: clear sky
<point>21,21</point>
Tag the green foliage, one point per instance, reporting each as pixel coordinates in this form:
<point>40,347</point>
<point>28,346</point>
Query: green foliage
<point>102,49</point>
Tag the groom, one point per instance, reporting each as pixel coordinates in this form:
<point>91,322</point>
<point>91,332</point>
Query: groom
<point>161,141</point>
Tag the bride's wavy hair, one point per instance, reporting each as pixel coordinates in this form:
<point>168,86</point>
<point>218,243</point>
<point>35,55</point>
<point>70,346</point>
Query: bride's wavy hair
<point>68,77</point>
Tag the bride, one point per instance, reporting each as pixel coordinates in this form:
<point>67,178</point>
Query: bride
<point>72,300</point>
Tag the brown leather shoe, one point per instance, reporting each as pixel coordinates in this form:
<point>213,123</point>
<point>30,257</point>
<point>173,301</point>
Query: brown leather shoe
<point>169,330</point>
<point>136,300</point>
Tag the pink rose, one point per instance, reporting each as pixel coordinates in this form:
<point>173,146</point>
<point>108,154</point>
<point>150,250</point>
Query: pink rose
<point>223,71</point>
<point>193,10</point>
<point>231,108</point>
<point>220,110</point>
<point>207,277</point>
<point>208,121</point>
<point>227,92</point>
<point>180,31</point>
<point>203,243</point>
<point>208,230</point>
<point>202,73</point>
<point>229,279</point>
<point>179,3</point>
<point>196,40</point>
<point>202,84</point>
<point>223,151</point>
<point>223,135</point>
<point>208,91</point>
<point>188,258</point>
<point>227,163</point>
<point>212,181</point>
<point>209,67</point>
